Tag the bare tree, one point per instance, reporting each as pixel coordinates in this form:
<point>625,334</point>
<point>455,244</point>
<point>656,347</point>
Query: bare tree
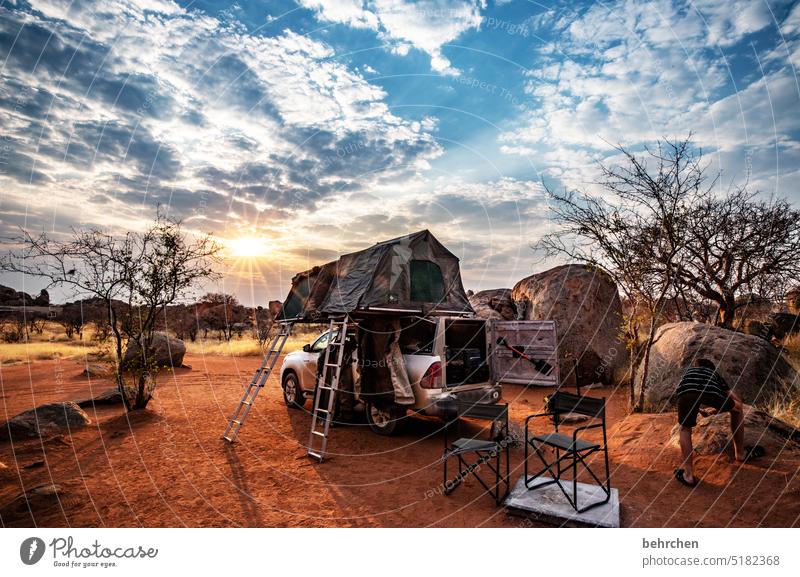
<point>147,271</point>
<point>737,244</point>
<point>635,232</point>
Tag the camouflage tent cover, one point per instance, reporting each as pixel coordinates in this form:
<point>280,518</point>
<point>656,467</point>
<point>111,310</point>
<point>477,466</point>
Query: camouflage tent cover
<point>412,273</point>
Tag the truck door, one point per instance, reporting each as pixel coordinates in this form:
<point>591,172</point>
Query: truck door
<point>523,352</point>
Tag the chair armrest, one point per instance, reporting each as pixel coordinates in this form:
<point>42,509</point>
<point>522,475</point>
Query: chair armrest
<point>528,420</point>
<point>583,428</point>
<point>538,415</point>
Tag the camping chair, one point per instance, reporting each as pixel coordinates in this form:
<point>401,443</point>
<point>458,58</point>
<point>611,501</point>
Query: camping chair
<point>487,451</point>
<point>569,450</point>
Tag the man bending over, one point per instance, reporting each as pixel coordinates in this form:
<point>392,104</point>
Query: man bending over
<point>702,386</point>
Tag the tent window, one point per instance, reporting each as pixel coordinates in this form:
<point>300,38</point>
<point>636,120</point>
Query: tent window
<point>427,284</point>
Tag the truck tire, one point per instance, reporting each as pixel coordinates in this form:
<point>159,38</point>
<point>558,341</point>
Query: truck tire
<point>292,393</point>
<point>385,420</point>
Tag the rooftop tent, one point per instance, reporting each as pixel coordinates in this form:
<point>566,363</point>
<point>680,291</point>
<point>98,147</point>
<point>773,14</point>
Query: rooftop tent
<point>412,273</point>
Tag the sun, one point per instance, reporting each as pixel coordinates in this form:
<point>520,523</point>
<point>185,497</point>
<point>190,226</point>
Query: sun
<point>247,246</point>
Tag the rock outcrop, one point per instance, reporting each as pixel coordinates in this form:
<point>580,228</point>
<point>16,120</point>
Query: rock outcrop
<point>50,419</point>
<point>14,298</point>
<point>752,367</point>
<point>167,352</point>
<point>96,371</point>
<point>585,304</point>
<point>107,397</point>
<point>493,304</point>
<point>712,435</point>
<point>784,325</point>
<point>793,301</point>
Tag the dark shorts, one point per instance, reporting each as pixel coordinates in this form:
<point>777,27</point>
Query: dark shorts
<point>689,405</point>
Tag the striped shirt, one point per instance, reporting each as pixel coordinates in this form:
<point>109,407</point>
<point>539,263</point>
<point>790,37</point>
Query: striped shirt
<point>702,380</point>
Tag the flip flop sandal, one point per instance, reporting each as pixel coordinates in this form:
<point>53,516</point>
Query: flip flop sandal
<point>682,480</point>
<point>753,453</point>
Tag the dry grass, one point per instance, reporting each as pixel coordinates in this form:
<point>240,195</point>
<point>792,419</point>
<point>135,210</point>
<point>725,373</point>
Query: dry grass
<point>788,411</point>
<point>53,343</point>
<point>46,350</point>
<point>792,345</point>
<point>245,346</point>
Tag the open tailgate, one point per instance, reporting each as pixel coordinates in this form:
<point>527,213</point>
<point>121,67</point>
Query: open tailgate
<point>510,342</point>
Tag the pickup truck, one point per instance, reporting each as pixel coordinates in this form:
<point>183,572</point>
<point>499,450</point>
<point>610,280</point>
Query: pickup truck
<point>444,357</point>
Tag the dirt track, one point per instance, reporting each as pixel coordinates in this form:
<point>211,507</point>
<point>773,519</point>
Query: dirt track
<point>167,466</point>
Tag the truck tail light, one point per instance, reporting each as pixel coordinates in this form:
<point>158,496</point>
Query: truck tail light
<point>431,377</point>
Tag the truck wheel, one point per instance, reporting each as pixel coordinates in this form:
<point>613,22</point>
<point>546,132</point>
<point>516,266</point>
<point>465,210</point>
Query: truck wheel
<point>385,420</point>
<point>292,393</point>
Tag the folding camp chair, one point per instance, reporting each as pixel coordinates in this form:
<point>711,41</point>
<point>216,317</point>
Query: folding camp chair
<point>569,450</point>
<point>488,451</point>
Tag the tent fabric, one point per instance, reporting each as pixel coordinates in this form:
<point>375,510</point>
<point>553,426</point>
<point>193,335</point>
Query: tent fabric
<point>384,378</point>
<point>413,272</point>
<point>401,385</point>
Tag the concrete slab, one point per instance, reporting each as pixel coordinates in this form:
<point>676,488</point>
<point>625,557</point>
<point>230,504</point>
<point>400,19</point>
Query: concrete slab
<point>549,505</point>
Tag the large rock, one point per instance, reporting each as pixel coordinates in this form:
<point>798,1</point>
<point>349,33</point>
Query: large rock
<point>752,307</point>
<point>784,325</point>
<point>754,368</point>
<point>167,351</point>
<point>756,328</point>
<point>793,301</point>
<point>712,435</point>
<point>494,304</point>
<point>586,306</point>
<point>274,308</point>
<point>107,397</point>
<point>96,371</point>
<point>44,420</point>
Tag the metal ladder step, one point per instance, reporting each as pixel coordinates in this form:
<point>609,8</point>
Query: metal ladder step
<point>258,382</point>
<point>327,380</point>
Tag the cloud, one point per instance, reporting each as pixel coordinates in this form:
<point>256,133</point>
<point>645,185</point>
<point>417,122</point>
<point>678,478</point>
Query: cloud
<point>489,225</point>
<point>630,73</point>
<point>145,100</point>
<point>426,25</point>
<point>349,12</point>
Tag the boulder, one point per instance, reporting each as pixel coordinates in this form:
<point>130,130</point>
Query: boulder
<point>756,328</point>
<point>493,304</point>
<point>107,397</point>
<point>167,351</point>
<point>50,419</point>
<point>50,490</point>
<point>585,304</point>
<point>752,367</point>
<point>712,435</point>
<point>793,301</point>
<point>784,325</point>
<point>752,307</point>
<point>275,308</point>
<point>96,371</point>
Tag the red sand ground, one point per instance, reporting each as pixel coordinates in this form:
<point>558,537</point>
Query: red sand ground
<point>167,466</point>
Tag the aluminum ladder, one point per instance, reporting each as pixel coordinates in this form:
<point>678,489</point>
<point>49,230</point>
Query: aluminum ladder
<point>327,380</point>
<point>257,383</point>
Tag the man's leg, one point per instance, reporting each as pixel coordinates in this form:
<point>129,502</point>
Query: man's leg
<point>687,449</point>
<point>737,428</point>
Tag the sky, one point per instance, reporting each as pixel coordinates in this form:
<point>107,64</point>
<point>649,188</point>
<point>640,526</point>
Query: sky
<point>301,130</point>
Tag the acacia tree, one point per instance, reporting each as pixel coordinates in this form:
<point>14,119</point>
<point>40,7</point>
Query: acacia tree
<point>147,271</point>
<point>737,244</point>
<point>635,232</point>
